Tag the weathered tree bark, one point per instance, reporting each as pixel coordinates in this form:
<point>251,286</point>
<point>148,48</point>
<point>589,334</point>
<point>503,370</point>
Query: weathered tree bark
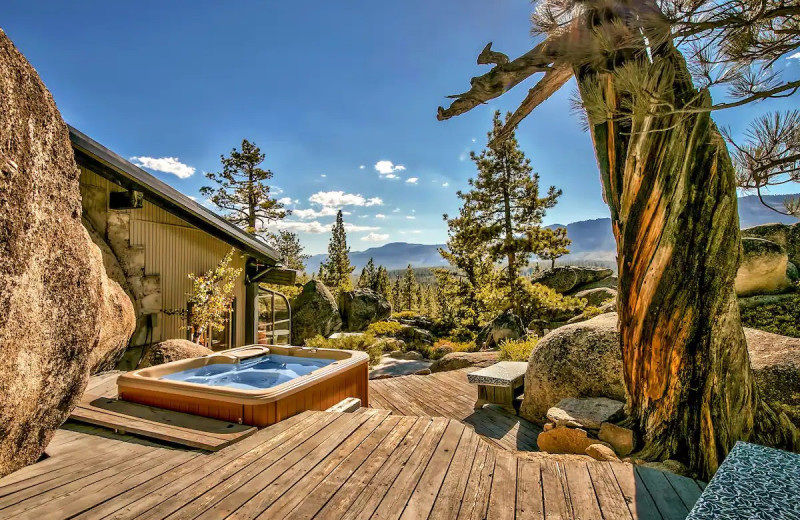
<point>670,186</point>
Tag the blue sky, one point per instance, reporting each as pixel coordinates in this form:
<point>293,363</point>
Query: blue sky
<point>341,96</point>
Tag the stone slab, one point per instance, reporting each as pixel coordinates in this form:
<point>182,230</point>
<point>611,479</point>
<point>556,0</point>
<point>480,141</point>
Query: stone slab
<point>504,373</point>
<point>590,412</point>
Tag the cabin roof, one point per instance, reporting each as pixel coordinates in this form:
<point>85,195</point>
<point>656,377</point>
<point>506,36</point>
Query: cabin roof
<point>93,155</point>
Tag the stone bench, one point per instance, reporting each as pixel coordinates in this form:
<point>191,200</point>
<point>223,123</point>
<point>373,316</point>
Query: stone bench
<point>500,384</point>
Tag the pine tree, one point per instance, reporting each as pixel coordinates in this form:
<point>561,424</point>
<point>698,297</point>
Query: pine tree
<point>408,288</point>
<point>289,249</point>
<point>369,276</point>
<point>242,191</point>
<point>472,264</point>
<point>419,298</point>
<point>507,208</point>
<point>382,284</point>
<point>335,271</point>
<point>554,244</point>
<point>397,295</point>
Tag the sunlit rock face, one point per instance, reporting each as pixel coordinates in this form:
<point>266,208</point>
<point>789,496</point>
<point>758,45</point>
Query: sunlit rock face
<point>53,287</point>
<point>763,269</point>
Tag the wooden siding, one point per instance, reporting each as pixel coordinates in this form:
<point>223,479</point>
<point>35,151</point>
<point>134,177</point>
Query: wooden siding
<point>173,249</point>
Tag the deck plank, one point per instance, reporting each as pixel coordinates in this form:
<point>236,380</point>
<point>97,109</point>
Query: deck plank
<point>421,501</point>
<point>609,495</point>
<point>581,491</point>
<point>455,482</point>
<point>530,502</point>
<point>503,494</point>
<point>667,501</point>
<point>640,503</point>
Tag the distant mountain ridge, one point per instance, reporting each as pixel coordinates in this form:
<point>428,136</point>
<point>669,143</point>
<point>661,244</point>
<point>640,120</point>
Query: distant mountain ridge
<point>592,240</point>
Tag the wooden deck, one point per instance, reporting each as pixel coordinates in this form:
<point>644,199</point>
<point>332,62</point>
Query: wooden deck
<point>367,464</point>
<point>448,394</point>
<point>99,406</point>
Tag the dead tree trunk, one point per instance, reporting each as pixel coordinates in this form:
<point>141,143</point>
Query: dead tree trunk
<point>670,186</point>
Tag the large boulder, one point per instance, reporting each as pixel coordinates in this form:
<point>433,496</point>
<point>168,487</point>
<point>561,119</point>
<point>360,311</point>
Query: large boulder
<point>763,269</point>
<point>578,360</point>
<point>172,350</point>
<point>507,325</point>
<point>597,296</point>
<point>570,278</point>
<point>361,307</point>
<point>785,235</point>
<point>584,360</point>
<point>314,311</point>
<point>776,364</point>
<point>51,279</point>
<point>457,360</point>
<point>117,323</point>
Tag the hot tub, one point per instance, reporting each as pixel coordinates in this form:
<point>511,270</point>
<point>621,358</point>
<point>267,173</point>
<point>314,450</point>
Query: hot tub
<point>253,385</point>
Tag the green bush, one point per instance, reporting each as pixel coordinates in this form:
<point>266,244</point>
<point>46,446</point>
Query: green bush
<point>386,328</point>
<point>517,350</point>
<point>405,315</point>
<point>362,342</point>
<point>781,317</point>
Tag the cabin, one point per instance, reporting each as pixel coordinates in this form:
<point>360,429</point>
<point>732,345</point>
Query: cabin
<point>159,236</point>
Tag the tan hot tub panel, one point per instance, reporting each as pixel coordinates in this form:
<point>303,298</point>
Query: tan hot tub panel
<point>318,390</point>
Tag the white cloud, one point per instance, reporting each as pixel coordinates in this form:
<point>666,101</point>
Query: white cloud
<point>473,139</point>
<point>363,216</point>
<point>337,199</point>
<point>323,175</point>
<point>416,231</point>
<point>193,198</point>
<point>396,210</point>
<point>410,217</point>
<point>412,180</point>
<point>165,164</point>
<point>380,215</point>
<point>356,228</point>
<point>314,227</point>
<point>375,237</point>
<point>386,169</point>
<point>445,184</point>
<point>285,200</point>
<point>361,167</point>
<point>794,56</point>
<point>310,213</point>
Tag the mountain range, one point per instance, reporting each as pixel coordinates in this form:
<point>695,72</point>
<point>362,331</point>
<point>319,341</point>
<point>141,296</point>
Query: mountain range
<point>592,240</point>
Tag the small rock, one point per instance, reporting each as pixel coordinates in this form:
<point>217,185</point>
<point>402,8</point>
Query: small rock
<point>413,355</point>
<point>549,426</point>
<point>381,376</point>
<point>598,296</point>
<point>565,440</point>
<point>423,372</point>
<point>618,437</point>
<point>589,412</point>
<point>601,452</point>
<point>397,354</point>
<point>568,424</point>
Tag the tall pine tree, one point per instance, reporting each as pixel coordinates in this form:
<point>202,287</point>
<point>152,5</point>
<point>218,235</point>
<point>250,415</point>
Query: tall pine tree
<point>408,288</point>
<point>507,208</point>
<point>554,243</point>
<point>288,246</point>
<point>382,284</point>
<point>335,271</point>
<point>369,276</point>
<point>242,191</point>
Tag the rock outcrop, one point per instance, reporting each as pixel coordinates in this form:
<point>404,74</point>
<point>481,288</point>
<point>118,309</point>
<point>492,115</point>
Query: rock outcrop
<point>505,326</point>
<point>172,350</point>
<point>597,296</point>
<point>51,275</point>
<point>588,413</point>
<point>457,360</point>
<point>776,365</point>
<point>584,360</point>
<point>314,311</point>
<point>570,278</point>
<point>786,236</point>
<point>361,307</point>
<point>763,268</point>
<point>578,360</point>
